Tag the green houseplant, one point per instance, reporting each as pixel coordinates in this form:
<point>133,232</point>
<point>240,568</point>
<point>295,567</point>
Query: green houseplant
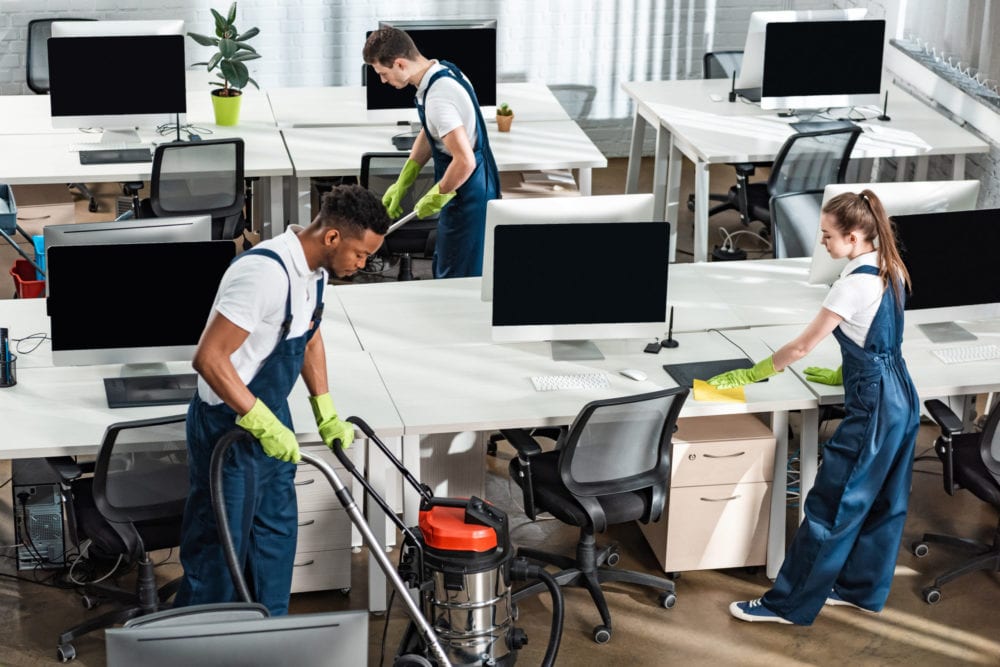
<point>230,58</point>
<point>505,116</point>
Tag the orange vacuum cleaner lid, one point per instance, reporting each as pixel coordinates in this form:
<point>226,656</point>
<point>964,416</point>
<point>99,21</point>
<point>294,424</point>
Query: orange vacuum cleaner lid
<point>445,528</point>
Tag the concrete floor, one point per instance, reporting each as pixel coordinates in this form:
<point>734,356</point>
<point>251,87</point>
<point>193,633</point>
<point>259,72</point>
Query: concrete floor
<point>961,629</point>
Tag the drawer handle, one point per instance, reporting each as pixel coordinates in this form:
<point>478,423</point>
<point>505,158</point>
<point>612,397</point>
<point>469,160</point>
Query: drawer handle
<point>308,562</point>
<point>305,482</point>
<point>307,522</point>
<point>719,500</point>
<point>724,456</point>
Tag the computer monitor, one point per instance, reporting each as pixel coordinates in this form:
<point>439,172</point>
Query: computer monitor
<point>820,64</point>
<point>750,75</point>
<point>950,257</point>
<point>552,210</point>
<point>118,105</point>
<point>569,282</point>
<point>469,44</point>
<point>902,198</point>
<point>326,639</point>
<point>97,318</point>
<point>145,230</point>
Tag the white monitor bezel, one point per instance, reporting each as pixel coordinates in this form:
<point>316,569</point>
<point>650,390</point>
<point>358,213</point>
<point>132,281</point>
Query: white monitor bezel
<point>898,198</point>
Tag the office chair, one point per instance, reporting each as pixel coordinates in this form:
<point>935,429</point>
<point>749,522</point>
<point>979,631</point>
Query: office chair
<point>37,77</point>
<point>132,505</point>
<point>806,161</point>
<point>795,222</point>
<point>378,172</point>
<point>970,461</point>
<point>191,177</point>
<point>576,99</point>
<point>612,467</point>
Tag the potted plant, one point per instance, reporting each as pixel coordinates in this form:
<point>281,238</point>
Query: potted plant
<point>505,116</point>
<point>230,58</point>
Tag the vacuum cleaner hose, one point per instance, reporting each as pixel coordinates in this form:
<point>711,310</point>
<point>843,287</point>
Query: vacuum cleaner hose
<point>522,570</point>
<point>219,507</point>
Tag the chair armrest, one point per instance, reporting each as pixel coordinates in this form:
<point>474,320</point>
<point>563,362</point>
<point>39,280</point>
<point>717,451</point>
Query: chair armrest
<point>64,466</point>
<point>520,440</point>
<point>948,421</point>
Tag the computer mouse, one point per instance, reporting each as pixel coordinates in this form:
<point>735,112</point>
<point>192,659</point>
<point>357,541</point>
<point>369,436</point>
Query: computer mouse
<point>633,374</point>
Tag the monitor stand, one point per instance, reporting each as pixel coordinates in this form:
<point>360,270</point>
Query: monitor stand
<point>575,350</point>
<point>149,384</point>
<point>120,135</point>
<point>946,332</point>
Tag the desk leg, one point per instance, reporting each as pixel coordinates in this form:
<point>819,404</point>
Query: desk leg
<point>808,456</point>
<point>901,163</point>
<point>776,526</point>
<point>920,173</point>
<point>958,168</point>
<point>300,204</point>
<point>376,475</point>
<point>411,461</point>
<point>700,211</point>
<point>270,202</point>
<point>635,153</point>
<point>585,180</point>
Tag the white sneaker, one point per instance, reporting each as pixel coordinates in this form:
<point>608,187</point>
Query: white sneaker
<point>754,610</point>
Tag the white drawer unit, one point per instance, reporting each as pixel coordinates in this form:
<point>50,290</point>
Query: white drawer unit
<point>717,512</point>
<point>323,550</point>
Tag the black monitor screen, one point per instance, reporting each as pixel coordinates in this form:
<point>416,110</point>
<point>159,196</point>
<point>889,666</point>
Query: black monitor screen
<point>109,76</point>
<point>951,257</point>
<point>94,302</point>
<point>804,58</point>
<point>580,273</point>
<point>473,50</point>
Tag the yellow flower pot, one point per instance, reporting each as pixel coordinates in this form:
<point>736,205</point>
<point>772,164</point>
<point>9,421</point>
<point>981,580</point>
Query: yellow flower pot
<point>227,108</point>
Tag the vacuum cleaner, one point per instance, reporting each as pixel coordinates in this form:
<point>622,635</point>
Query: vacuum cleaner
<point>458,562</point>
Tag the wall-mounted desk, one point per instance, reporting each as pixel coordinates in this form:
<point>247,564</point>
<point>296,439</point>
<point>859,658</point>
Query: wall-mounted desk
<point>690,124</point>
<point>336,151</point>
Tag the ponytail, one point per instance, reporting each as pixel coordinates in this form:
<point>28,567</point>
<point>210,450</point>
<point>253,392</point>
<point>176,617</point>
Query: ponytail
<point>864,213</point>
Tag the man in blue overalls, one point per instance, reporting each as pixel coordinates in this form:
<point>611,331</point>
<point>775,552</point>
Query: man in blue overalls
<point>262,333</point>
<point>454,134</point>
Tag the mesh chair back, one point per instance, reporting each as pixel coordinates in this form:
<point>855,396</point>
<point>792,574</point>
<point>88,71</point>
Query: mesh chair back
<point>380,170</point>
<point>812,160</point>
<point>141,472</point>
<point>621,444</point>
<point>795,221</point>
<point>37,53</point>
<point>721,64</point>
<point>989,448</point>
<point>576,99</point>
<point>192,177</point>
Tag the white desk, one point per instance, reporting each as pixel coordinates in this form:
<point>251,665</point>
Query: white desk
<point>688,123</point>
<point>346,105</point>
<point>336,151</point>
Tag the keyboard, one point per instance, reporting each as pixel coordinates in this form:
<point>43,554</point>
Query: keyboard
<point>581,381</point>
<point>111,146</point>
<point>115,156</point>
<point>967,353</point>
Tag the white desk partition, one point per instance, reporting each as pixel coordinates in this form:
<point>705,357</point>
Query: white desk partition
<point>336,151</point>
<point>346,105</point>
<point>689,123</point>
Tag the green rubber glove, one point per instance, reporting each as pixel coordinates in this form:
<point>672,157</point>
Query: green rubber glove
<point>825,375</point>
<point>393,197</point>
<point>432,202</point>
<point>331,427</point>
<point>737,378</point>
<point>275,438</point>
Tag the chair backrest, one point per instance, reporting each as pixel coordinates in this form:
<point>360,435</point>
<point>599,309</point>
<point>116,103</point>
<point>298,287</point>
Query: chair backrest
<point>721,64</point>
<point>621,444</point>
<point>380,170</point>
<point>37,53</point>
<point>191,177</point>
<point>794,221</point>
<point>812,160</point>
<point>989,446</point>
<point>576,99</point>
<point>141,472</point>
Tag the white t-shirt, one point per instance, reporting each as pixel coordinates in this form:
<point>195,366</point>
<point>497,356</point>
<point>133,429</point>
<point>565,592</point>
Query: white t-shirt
<point>447,106</point>
<point>856,298</point>
<point>252,296</point>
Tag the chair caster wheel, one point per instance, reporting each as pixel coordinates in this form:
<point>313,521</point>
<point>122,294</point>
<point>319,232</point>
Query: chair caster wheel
<point>613,558</point>
<point>673,576</point>
<point>920,549</point>
<point>602,634</point>
<point>668,600</point>
<point>92,207</point>
<point>932,595</point>
<point>690,203</point>
<point>89,602</point>
<point>65,653</point>
<point>345,591</point>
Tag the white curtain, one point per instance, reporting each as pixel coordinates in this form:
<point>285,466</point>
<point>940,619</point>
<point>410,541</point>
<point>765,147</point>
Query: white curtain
<point>966,31</point>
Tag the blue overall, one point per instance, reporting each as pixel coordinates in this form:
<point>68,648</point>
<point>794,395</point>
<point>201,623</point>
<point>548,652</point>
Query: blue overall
<point>259,490</point>
<point>461,227</point>
<point>855,512</point>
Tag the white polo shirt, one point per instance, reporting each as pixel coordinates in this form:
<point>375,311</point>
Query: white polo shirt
<point>856,298</point>
<point>447,106</point>
<point>252,296</point>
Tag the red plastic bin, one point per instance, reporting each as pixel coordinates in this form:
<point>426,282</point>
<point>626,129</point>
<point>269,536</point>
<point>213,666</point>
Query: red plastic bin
<point>25,285</point>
